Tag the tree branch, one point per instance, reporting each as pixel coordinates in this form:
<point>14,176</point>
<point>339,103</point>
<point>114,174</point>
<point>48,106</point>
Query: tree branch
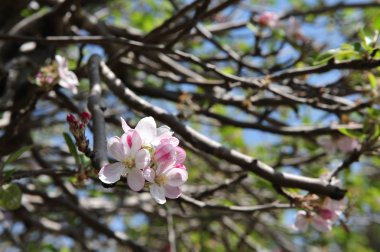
<point>97,110</point>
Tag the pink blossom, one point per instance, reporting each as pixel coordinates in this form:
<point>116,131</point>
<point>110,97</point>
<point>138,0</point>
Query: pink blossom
<point>164,170</point>
<point>169,173</point>
<point>305,219</point>
<point>268,18</point>
<point>347,144</point>
<point>168,152</point>
<point>332,209</point>
<point>147,128</point>
<point>165,181</point>
<point>343,144</point>
<point>324,214</point>
<point>67,78</point>
<point>131,160</point>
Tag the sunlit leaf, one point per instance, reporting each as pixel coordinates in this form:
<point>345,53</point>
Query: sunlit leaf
<point>351,133</point>
<point>15,155</point>
<point>72,148</point>
<point>10,196</point>
<point>372,80</point>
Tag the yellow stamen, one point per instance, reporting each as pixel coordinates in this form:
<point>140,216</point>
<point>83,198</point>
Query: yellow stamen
<point>161,180</point>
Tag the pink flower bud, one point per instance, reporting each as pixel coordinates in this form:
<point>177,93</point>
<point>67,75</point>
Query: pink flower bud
<point>71,119</point>
<point>268,18</point>
<point>85,116</point>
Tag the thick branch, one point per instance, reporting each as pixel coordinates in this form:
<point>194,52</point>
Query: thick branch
<point>97,111</point>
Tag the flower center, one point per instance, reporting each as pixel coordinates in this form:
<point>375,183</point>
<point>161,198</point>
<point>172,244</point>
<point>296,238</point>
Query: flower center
<point>129,163</point>
<point>160,180</point>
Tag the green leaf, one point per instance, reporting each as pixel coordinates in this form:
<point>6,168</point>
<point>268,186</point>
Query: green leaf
<point>351,133</point>
<point>358,47</point>
<point>7,174</point>
<point>373,112</point>
<point>324,57</point>
<point>72,148</point>
<point>372,80</point>
<point>376,132</point>
<point>252,27</point>
<point>347,47</point>
<point>366,40</point>
<point>376,22</point>
<point>15,155</point>
<point>10,196</point>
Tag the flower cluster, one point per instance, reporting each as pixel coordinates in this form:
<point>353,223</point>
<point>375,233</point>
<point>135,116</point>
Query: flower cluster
<point>321,215</point>
<point>344,144</point>
<point>147,154</point>
<point>78,128</point>
<point>57,72</point>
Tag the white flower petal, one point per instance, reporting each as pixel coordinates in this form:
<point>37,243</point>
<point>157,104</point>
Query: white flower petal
<point>176,176</point>
<point>158,193</point>
<point>149,174</point>
<point>61,61</point>
<point>142,159</point>
<point>124,125</point>
<point>147,130</point>
<point>111,173</point>
<point>163,130</point>
<point>114,139</point>
<point>302,223</point>
<point>172,192</point>
<point>135,180</point>
<point>180,155</point>
<point>136,143</point>
<point>67,78</point>
<point>320,224</point>
<point>162,133</point>
<point>116,148</point>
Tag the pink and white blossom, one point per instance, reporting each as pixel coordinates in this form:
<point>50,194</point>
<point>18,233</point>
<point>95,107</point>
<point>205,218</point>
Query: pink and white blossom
<point>169,173</point>
<point>168,152</point>
<point>147,153</point>
<point>147,128</point>
<point>332,209</point>
<point>131,157</point>
<point>166,181</point>
<point>322,215</point>
<point>305,219</point>
<point>321,219</point>
<point>347,144</point>
<point>268,18</point>
<point>67,78</point>
<point>342,144</point>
